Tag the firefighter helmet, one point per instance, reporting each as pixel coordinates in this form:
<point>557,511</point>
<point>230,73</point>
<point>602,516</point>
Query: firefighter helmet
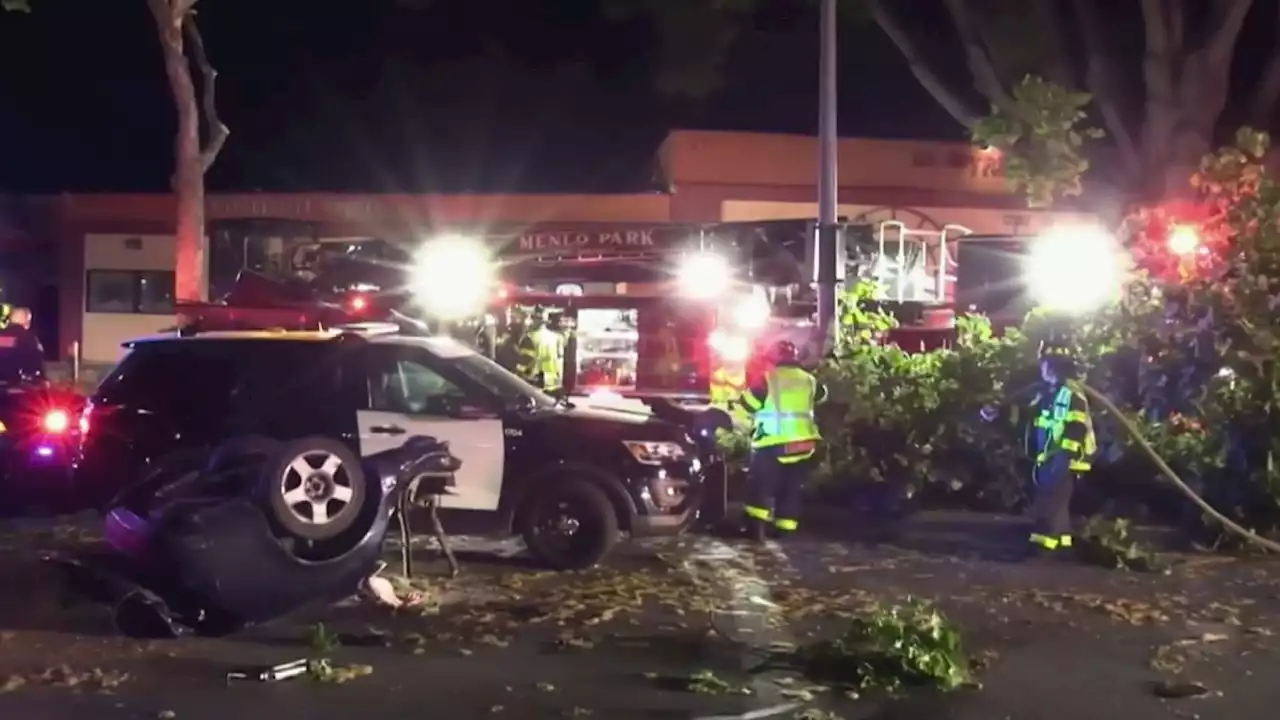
<point>785,351</point>
<point>1057,349</point>
<point>1061,356</point>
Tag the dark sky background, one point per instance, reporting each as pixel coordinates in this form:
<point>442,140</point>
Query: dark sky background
<point>487,95</point>
<point>534,95</point>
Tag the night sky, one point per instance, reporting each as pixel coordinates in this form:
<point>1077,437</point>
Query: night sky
<point>526,95</point>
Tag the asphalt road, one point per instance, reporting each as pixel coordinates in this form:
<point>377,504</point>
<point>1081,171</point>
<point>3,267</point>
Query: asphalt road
<point>1060,640</point>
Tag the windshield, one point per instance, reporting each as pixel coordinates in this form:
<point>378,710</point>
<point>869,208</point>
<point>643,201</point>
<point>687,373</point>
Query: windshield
<point>505,384</point>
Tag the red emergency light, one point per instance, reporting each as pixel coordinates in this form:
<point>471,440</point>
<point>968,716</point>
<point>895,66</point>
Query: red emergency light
<point>357,302</point>
<point>1183,239</point>
<point>56,421</point>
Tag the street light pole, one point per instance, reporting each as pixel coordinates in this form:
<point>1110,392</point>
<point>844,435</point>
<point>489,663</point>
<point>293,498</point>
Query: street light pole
<point>828,232</point>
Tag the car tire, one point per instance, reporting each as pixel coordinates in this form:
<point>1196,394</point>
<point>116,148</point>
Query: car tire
<point>313,488</point>
<point>570,501</point>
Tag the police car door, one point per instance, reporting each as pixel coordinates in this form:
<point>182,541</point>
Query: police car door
<point>408,396</point>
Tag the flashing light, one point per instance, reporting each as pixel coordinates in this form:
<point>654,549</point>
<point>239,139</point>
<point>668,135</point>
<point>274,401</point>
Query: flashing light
<point>1183,240</point>
<point>731,347</point>
<point>704,275</point>
<point>55,421</point>
<point>358,303</point>
<point>569,289</point>
<point>453,276</point>
<point>1074,269</point>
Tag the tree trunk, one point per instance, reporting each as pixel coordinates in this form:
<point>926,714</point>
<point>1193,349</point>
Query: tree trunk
<point>188,176</point>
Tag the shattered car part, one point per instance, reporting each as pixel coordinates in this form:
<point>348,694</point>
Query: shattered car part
<point>211,560</point>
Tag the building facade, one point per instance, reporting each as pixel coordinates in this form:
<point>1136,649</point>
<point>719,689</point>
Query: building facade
<point>102,265</point>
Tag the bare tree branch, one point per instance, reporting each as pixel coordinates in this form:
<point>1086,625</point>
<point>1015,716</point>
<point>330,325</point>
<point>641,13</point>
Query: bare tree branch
<point>1101,76</point>
<point>985,77</point>
<point>1267,93</point>
<point>218,131</point>
<point>945,96</point>
<point>1228,19</point>
<point>1158,62</point>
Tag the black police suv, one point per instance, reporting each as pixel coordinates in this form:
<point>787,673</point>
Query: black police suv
<point>568,479</point>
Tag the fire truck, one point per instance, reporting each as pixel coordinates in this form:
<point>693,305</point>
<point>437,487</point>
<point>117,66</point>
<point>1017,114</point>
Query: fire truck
<point>648,310</point>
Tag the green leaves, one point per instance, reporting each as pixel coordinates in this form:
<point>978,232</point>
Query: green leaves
<point>888,649</point>
<point>1042,133</point>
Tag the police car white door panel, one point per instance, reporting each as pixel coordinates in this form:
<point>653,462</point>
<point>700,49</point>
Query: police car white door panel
<point>478,443</point>
<point>408,397</point>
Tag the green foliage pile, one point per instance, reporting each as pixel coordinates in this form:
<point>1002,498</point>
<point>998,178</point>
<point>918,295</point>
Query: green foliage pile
<point>890,649</point>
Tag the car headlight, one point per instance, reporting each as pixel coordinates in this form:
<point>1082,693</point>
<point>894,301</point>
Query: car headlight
<point>654,453</point>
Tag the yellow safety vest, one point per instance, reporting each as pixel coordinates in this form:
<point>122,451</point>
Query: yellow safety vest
<point>1055,418</point>
<point>786,414</point>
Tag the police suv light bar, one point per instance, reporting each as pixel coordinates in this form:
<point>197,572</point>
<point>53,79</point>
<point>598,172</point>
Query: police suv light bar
<point>366,328</point>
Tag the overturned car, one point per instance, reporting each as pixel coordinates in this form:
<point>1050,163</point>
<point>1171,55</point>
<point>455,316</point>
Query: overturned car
<point>207,552</point>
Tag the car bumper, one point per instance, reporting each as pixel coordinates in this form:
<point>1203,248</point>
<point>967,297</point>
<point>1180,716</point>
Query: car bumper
<point>671,498</point>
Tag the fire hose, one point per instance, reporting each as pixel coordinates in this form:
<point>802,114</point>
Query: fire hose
<point>1236,529</point>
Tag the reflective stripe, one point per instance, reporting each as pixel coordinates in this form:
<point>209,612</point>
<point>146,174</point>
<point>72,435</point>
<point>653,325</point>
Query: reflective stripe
<point>1064,541</point>
<point>758,513</point>
<point>1069,445</point>
<point>1044,541</point>
<point>793,459</point>
<point>1076,416</point>
<point>786,524</point>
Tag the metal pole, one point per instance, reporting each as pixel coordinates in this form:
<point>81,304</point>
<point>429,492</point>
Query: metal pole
<point>828,231</point>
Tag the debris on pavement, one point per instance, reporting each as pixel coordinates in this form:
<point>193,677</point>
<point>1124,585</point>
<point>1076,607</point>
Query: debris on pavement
<point>64,676</point>
<point>273,673</point>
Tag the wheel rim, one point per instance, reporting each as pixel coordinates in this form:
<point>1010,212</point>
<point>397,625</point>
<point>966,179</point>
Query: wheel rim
<point>567,527</point>
<point>316,487</point>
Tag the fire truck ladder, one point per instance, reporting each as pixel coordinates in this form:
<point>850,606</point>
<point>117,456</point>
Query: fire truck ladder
<point>901,251</point>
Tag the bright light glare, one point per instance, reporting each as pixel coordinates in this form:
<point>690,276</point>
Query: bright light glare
<point>751,312</point>
<point>731,347</point>
<point>704,275</point>
<point>1074,269</point>
<point>56,421</point>
<point>1183,239</point>
<point>453,277</point>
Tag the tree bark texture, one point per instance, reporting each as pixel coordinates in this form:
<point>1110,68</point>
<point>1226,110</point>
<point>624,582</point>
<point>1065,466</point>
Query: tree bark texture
<point>175,23</point>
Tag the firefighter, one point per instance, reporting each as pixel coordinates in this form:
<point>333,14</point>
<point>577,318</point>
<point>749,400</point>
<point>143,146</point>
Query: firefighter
<point>786,438</point>
<point>547,347</point>
<point>1062,445</point>
<point>728,383</point>
<point>21,354</point>
<point>668,360</point>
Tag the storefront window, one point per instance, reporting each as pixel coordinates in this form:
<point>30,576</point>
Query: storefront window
<point>109,291</point>
<point>129,291</point>
<point>155,293</point>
